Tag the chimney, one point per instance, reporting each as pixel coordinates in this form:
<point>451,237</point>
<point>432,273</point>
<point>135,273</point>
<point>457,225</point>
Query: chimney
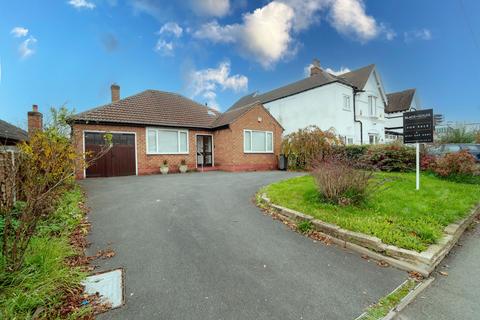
<point>115,92</point>
<point>35,120</point>
<point>315,68</point>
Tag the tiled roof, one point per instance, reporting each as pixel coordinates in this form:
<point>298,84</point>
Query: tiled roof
<point>357,78</point>
<point>159,108</point>
<point>153,107</point>
<point>11,132</point>
<point>399,101</point>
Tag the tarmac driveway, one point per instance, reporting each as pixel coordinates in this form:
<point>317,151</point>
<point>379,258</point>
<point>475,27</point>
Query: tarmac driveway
<point>195,246</point>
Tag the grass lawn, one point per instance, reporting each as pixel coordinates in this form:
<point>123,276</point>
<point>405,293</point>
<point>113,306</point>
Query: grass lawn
<point>397,213</point>
<point>44,280</point>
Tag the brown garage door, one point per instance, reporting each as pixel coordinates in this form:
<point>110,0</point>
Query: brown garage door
<point>118,161</point>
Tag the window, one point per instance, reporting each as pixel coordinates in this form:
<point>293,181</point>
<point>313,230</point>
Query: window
<point>257,141</point>
<point>165,141</point>
<point>372,139</point>
<point>372,106</point>
<point>349,141</point>
<point>346,102</point>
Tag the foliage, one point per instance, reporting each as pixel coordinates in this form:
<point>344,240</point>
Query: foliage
<point>390,157</point>
<point>339,182</point>
<point>396,213</point>
<point>427,162</point>
<point>59,120</point>
<point>458,135</point>
<point>183,162</point>
<point>304,226</point>
<point>43,170</point>
<point>44,279</point>
<point>458,163</point>
<point>165,163</point>
<point>383,307</point>
<point>351,152</point>
<point>477,137</point>
<point>306,145</point>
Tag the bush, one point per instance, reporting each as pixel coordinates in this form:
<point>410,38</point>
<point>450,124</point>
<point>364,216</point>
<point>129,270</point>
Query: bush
<point>459,163</point>
<point>340,183</point>
<point>427,162</point>
<point>352,152</point>
<point>458,135</point>
<point>389,157</point>
<point>305,146</point>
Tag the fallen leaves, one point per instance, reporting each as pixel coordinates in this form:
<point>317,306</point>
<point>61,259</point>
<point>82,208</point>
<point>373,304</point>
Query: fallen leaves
<point>383,264</point>
<point>415,275</point>
<point>443,273</point>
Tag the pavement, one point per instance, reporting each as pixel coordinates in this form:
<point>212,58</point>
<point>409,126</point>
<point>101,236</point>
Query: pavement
<point>195,246</point>
<point>456,294</point>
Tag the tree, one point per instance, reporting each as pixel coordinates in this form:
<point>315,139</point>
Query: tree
<point>458,135</point>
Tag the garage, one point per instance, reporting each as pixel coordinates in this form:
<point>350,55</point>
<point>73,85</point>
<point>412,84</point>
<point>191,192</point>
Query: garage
<point>120,160</point>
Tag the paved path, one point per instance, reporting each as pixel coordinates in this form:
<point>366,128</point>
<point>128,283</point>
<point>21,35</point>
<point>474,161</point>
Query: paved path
<point>195,246</point>
<point>456,296</point>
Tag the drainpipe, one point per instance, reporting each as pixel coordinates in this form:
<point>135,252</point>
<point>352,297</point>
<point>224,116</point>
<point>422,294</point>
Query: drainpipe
<point>355,92</point>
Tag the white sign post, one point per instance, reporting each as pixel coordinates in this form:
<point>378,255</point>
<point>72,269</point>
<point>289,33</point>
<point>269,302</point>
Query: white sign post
<point>418,166</point>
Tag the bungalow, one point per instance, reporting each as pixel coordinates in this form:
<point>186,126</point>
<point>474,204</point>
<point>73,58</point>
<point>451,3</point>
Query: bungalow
<point>10,135</point>
<point>153,126</point>
<point>398,103</point>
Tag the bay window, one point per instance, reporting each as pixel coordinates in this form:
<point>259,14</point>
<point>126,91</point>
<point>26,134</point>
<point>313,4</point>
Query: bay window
<point>167,141</point>
<point>257,141</point>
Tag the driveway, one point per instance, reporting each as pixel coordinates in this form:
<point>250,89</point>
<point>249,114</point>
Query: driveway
<point>195,246</point>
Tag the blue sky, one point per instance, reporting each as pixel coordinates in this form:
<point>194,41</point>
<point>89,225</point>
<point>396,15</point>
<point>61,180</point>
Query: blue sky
<point>56,52</point>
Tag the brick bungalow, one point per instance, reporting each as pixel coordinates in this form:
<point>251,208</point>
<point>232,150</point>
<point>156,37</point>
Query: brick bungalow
<point>153,126</point>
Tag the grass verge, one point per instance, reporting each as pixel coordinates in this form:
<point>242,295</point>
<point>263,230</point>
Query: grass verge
<point>45,280</point>
<point>383,307</point>
<point>397,213</point>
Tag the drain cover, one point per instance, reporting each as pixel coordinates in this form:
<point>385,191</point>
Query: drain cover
<point>108,284</point>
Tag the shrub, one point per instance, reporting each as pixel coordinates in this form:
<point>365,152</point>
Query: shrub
<point>389,157</point>
<point>427,162</point>
<point>304,146</point>
<point>458,135</point>
<point>352,152</point>
<point>477,137</point>
<point>340,183</point>
<point>459,163</point>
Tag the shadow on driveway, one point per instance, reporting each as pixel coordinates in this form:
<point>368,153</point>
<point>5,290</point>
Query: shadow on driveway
<point>195,246</point>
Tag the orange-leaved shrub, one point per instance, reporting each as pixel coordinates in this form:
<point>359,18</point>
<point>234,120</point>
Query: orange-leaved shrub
<point>305,146</point>
<point>459,163</point>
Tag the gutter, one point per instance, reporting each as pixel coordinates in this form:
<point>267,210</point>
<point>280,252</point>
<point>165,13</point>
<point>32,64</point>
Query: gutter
<point>355,92</point>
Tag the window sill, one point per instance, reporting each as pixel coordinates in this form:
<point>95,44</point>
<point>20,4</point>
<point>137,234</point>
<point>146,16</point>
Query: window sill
<point>167,153</point>
<point>258,152</point>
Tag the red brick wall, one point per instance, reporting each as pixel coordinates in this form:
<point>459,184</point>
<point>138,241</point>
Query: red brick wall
<point>228,145</point>
<point>229,153</point>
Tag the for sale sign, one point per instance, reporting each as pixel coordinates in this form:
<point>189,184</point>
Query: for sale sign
<point>418,126</point>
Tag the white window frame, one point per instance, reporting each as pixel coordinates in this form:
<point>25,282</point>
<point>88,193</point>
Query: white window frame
<point>372,106</point>
<point>166,129</point>
<point>346,106</point>
<point>251,141</point>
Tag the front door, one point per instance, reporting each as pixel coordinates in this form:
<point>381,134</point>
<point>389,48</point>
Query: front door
<point>204,151</point>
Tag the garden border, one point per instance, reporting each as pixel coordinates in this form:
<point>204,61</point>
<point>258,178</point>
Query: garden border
<point>422,262</point>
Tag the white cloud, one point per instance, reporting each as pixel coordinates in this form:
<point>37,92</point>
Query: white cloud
<point>171,28</point>
<point>211,8</point>
<point>264,35</point>
<point>349,17</point>
<point>306,12</point>
<point>164,47</point>
<point>26,47</point>
<point>419,34</point>
<point>19,32</point>
<point>204,83</point>
<point>342,70</point>
<point>79,4</point>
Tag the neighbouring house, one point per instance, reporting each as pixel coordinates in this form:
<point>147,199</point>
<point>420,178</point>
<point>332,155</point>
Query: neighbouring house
<point>152,126</point>
<point>352,103</point>
<point>10,135</point>
<point>398,103</point>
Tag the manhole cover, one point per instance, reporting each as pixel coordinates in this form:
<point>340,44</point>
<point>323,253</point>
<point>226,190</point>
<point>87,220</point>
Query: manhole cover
<point>108,284</point>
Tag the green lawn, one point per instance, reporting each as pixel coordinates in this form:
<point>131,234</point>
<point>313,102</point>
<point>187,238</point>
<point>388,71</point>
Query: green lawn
<point>396,213</point>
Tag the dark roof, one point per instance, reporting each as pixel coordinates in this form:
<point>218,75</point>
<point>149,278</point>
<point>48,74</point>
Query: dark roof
<point>359,77</point>
<point>356,78</point>
<point>399,101</point>
<point>159,108</point>
<point>11,132</point>
<point>153,107</point>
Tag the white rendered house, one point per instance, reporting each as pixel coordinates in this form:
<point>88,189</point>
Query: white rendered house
<point>352,103</point>
<point>398,103</point>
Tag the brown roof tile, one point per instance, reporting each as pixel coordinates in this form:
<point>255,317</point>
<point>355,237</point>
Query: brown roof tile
<point>399,101</point>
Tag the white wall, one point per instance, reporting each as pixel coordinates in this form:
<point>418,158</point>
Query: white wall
<point>322,106</point>
<point>372,124</point>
